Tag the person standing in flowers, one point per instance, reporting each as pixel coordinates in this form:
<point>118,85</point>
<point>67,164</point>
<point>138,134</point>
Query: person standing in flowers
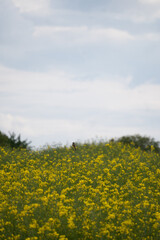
<point>74,146</point>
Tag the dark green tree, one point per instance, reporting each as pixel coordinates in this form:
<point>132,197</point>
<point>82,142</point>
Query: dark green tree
<point>4,140</point>
<point>143,142</point>
<point>16,142</point>
<point>13,141</point>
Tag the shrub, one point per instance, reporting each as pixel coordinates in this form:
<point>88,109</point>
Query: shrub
<point>13,141</point>
<point>4,140</point>
<point>145,143</point>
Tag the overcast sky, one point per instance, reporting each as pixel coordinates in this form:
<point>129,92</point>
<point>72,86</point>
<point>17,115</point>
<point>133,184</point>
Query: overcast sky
<point>75,70</point>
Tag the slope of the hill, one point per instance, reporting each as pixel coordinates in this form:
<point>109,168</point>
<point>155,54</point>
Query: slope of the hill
<point>103,191</point>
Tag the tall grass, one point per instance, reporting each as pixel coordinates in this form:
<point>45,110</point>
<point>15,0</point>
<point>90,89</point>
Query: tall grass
<point>100,191</point>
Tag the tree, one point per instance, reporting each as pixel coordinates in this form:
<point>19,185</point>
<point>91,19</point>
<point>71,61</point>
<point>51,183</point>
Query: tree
<point>4,140</point>
<point>13,141</point>
<point>144,142</point>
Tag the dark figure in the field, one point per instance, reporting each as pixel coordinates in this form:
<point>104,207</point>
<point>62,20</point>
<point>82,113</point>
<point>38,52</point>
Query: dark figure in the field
<point>74,146</point>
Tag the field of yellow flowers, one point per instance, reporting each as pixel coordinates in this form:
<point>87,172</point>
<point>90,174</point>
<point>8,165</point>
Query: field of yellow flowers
<point>100,191</point>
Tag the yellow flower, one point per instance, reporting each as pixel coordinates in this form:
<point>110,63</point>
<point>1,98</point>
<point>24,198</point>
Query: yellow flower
<point>157,214</point>
<point>71,224</point>
<point>31,238</point>
<point>156,225</point>
<point>111,216</point>
<point>62,237</point>
<point>33,224</point>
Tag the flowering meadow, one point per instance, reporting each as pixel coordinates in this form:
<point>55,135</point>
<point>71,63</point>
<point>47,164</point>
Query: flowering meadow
<point>100,191</point>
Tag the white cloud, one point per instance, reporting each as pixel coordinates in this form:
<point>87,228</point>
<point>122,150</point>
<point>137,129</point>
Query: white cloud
<point>56,88</point>
<point>40,7</point>
<point>11,122</point>
<point>142,11</point>
<point>28,98</point>
<point>59,102</point>
<point>151,10</point>
<point>151,37</point>
<point>139,16</point>
<point>82,34</point>
<point>42,131</point>
<point>152,2</point>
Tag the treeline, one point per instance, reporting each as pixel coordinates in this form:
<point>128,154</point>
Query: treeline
<point>13,141</point>
<point>137,141</point>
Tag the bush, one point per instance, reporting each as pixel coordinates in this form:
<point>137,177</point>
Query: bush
<point>13,141</point>
<point>145,143</point>
<point>4,140</point>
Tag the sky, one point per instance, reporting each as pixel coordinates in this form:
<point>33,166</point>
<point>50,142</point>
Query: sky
<point>79,70</point>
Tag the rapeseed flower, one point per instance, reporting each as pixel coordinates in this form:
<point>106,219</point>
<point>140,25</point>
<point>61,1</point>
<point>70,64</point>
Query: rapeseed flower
<point>98,192</point>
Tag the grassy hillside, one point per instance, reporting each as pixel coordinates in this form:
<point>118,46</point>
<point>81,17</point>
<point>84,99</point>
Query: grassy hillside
<point>103,191</point>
